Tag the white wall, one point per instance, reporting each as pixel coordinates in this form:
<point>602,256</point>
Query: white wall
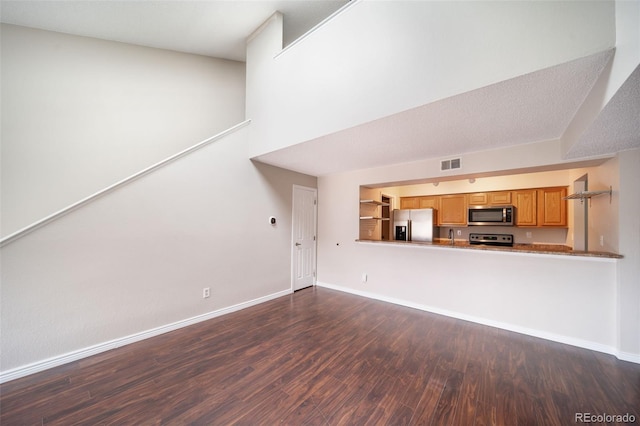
<point>563,299</point>
<point>572,300</point>
<point>628,290</point>
<point>138,258</point>
<point>79,114</point>
<point>378,58</point>
<point>602,210</point>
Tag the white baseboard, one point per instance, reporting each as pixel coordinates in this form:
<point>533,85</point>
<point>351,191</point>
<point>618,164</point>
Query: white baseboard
<point>624,356</point>
<point>628,356</point>
<point>36,367</point>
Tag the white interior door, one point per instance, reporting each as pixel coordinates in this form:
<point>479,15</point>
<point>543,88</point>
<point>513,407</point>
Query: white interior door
<point>304,237</point>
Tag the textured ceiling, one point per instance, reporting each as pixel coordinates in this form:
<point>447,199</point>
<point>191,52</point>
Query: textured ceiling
<point>617,128</point>
<point>534,107</point>
<point>212,28</point>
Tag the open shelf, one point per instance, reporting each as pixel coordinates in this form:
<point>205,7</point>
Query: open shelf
<point>374,202</point>
<point>582,195</point>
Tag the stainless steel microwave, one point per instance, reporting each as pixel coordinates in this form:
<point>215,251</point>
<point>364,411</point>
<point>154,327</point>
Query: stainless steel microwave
<point>491,215</point>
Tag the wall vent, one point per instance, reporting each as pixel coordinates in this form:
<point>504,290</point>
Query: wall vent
<point>452,164</point>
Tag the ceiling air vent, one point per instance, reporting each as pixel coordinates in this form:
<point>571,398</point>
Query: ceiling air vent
<point>452,164</point>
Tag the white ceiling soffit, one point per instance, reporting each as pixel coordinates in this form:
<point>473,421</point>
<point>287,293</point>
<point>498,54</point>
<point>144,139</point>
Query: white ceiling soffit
<point>617,127</point>
<point>531,108</point>
<point>214,28</point>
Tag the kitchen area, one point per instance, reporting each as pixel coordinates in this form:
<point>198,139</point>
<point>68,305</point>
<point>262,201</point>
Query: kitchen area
<point>543,212</point>
<point>572,282</point>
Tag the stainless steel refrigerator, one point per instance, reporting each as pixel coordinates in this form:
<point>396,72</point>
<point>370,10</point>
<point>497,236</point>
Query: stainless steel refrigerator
<point>414,224</point>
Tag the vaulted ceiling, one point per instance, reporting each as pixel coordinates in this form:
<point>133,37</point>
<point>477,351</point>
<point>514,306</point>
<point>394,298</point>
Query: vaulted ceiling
<point>211,28</point>
<point>534,107</point>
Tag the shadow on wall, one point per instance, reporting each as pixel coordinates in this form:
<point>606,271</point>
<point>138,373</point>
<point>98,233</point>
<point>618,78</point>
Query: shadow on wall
<point>278,182</point>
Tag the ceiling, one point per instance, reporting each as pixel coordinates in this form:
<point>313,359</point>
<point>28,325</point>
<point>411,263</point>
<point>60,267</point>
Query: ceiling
<point>216,28</point>
<point>531,108</point>
<point>617,127</point>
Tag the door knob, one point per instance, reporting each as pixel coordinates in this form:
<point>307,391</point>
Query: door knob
<point>298,244</point>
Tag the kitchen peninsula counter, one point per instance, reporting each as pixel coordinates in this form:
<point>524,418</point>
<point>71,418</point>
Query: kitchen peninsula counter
<point>552,249</point>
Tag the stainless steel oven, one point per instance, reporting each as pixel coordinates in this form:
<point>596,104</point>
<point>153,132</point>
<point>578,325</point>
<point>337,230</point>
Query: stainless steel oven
<point>491,215</point>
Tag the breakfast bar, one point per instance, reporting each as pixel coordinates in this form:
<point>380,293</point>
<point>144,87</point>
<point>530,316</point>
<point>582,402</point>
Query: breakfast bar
<point>550,249</point>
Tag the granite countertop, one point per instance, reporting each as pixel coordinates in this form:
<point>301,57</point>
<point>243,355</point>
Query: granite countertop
<point>518,248</point>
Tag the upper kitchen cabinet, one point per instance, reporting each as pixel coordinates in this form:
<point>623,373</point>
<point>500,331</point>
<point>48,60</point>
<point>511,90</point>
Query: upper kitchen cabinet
<point>526,202</point>
<point>541,207</point>
<point>479,199</point>
<point>552,208</point>
<point>499,198</point>
<point>410,202</point>
<point>496,198</point>
<point>430,202</point>
<point>534,207</point>
<point>423,202</point>
<point>453,210</point>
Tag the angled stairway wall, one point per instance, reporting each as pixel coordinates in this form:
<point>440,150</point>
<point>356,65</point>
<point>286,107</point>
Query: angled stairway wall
<point>134,262</point>
<point>79,114</point>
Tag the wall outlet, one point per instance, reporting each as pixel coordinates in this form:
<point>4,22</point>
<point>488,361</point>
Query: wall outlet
<point>206,292</point>
<point>602,240</point>
<point>529,235</point>
<point>459,232</point>
<point>364,278</point>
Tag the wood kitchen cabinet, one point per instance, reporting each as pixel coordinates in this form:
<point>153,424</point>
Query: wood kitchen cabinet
<point>496,198</point>
<point>526,202</point>
<point>552,208</point>
<point>431,202</point>
<point>453,210</point>
<point>479,199</point>
<point>410,202</point>
<point>424,202</point>
<point>499,198</point>
<point>534,207</point>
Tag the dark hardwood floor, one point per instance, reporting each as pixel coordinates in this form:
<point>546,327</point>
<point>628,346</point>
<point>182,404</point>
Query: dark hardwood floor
<point>322,357</point>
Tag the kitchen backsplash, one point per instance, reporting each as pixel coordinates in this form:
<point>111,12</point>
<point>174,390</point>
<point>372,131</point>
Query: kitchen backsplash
<point>520,235</point>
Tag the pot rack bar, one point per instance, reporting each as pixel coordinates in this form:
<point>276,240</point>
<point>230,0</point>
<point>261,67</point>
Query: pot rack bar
<point>589,194</point>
